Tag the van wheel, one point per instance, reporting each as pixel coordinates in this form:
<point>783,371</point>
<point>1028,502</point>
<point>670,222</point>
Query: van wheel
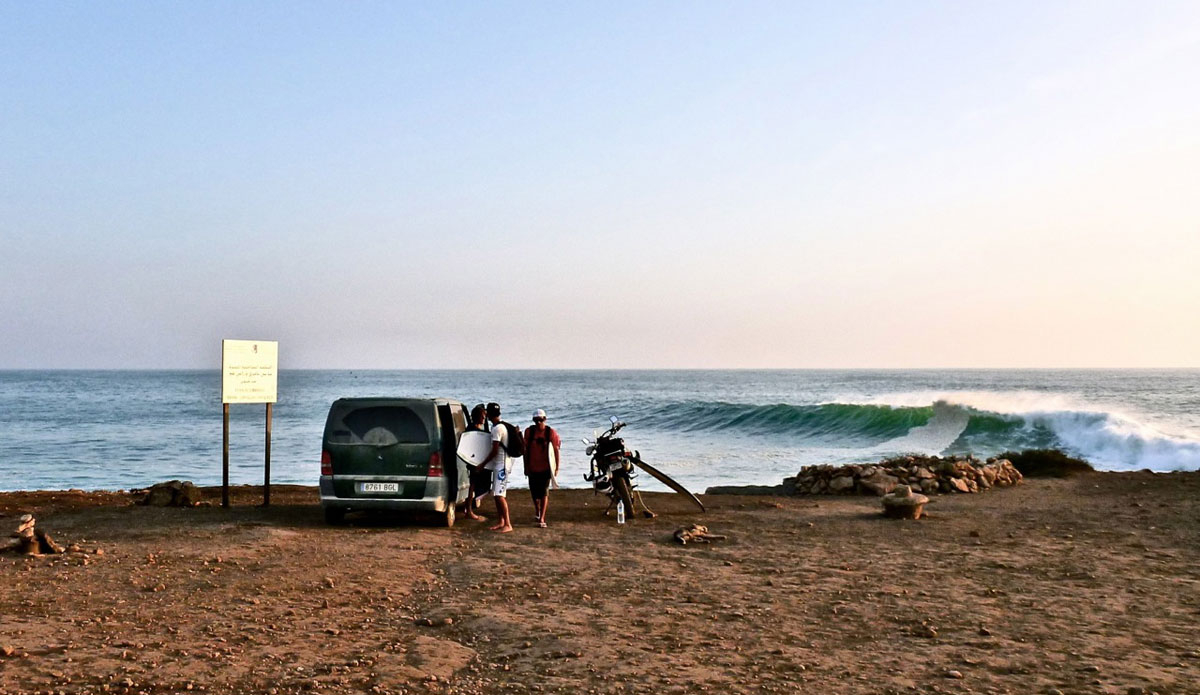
<point>335,515</point>
<point>448,516</point>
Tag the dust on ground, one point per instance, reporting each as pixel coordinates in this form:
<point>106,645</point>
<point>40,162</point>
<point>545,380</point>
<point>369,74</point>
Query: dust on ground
<point>1085,585</point>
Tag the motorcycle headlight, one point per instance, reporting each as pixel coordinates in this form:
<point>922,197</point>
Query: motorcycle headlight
<point>591,449</point>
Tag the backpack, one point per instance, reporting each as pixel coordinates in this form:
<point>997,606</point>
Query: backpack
<point>515,441</point>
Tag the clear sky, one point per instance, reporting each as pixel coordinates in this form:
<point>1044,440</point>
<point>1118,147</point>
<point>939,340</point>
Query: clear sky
<point>605,184</point>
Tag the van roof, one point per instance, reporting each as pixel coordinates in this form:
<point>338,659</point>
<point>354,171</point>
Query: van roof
<point>387,400</point>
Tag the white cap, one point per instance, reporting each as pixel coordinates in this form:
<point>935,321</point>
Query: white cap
<point>539,413</point>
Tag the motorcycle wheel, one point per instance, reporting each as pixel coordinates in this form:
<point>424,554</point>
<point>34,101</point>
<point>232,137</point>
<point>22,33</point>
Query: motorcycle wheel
<point>624,494</point>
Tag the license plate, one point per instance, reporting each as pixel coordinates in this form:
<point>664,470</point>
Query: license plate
<point>379,487</point>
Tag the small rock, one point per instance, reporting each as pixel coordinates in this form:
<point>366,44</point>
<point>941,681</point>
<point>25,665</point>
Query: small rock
<point>954,674</point>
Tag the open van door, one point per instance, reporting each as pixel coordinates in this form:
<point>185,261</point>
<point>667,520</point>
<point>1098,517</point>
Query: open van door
<point>453,420</point>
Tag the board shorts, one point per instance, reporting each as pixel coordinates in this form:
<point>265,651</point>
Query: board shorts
<point>539,484</point>
<point>481,481</point>
<point>500,482</point>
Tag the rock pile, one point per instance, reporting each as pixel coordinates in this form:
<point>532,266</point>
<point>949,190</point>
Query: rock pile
<point>927,474</point>
<point>30,541</point>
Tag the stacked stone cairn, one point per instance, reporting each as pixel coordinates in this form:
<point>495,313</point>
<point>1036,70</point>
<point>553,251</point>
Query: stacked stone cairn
<point>903,503</point>
<point>30,541</point>
<point>925,474</point>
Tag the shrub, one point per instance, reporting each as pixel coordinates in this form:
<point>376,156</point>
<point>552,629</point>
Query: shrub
<point>1046,463</point>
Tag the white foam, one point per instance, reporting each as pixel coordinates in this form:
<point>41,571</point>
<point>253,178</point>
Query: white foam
<point>1112,442</point>
<point>1108,438</point>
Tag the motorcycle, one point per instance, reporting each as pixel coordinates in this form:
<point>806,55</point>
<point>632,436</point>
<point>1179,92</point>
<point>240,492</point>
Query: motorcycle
<point>614,469</point>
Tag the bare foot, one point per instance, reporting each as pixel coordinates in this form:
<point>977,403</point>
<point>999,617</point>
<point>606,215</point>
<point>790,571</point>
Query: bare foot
<point>475,517</point>
<point>502,529</point>
<point>497,527</point>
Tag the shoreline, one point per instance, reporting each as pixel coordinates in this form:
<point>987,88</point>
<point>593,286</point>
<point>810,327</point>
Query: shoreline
<point>78,498</point>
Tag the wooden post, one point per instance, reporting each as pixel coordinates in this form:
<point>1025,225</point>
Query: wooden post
<point>225,461</point>
<point>267,467</point>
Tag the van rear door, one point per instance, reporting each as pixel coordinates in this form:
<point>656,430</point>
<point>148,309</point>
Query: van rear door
<point>380,439</point>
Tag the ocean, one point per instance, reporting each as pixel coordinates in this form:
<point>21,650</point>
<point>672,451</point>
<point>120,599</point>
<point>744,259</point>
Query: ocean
<point>127,429</point>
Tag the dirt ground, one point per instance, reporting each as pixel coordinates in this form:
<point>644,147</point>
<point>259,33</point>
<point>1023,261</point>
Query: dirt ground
<point>1086,585</point>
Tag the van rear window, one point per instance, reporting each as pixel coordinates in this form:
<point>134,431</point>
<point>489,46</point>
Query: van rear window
<point>384,426</point>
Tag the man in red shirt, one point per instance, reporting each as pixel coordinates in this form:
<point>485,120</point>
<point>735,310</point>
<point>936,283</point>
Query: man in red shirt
<point>541,462</point>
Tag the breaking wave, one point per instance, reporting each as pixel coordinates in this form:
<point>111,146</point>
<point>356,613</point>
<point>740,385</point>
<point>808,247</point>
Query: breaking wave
<point>1108,440</point>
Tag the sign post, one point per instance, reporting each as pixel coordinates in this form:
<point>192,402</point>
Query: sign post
<point>249,374</point>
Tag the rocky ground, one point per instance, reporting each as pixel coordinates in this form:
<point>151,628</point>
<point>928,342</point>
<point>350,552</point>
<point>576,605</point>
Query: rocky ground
<point>1084,585</point>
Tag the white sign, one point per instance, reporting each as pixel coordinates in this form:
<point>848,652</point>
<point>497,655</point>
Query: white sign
<point>249,370</point>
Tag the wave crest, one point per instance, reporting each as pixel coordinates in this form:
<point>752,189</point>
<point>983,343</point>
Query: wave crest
<point>1108,440</point>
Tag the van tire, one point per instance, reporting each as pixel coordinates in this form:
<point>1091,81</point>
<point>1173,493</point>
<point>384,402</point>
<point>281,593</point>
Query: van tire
<point>448,516</point>
<point>334,516</point>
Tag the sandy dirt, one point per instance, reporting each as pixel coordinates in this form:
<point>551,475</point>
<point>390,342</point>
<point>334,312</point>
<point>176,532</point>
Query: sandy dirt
<point>1086,585</point>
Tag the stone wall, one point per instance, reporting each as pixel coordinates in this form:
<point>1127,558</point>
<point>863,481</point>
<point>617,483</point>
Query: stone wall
<point>925,474</point>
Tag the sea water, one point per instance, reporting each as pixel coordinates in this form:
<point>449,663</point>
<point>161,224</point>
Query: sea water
<point>123,429</point>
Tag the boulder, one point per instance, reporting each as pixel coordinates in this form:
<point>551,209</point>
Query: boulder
<point>957,485</point>
<point>879,483</point>
<point>173,493</point>
<point>842,483</point>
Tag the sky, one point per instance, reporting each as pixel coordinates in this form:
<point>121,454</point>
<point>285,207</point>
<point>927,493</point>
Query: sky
<point>601,185</point>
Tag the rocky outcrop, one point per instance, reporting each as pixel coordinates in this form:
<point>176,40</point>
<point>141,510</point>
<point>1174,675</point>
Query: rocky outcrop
<point>925,474</point>
<point>173,493</point>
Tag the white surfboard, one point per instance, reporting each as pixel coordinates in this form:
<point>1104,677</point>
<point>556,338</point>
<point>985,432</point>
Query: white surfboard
<point>474,447</point>
<point>553,464</point>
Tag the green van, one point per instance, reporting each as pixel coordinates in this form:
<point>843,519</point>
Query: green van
<point>393,454</point>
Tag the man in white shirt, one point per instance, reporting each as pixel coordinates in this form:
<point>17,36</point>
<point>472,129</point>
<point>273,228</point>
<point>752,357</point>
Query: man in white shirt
<point>500,465</point>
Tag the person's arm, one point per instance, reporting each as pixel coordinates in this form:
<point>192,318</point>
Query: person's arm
<point>528,437</point>
<point>495,447</point>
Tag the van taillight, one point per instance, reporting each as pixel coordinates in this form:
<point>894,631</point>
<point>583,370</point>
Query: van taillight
<point>326,463</point>
<point>435,466</point>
